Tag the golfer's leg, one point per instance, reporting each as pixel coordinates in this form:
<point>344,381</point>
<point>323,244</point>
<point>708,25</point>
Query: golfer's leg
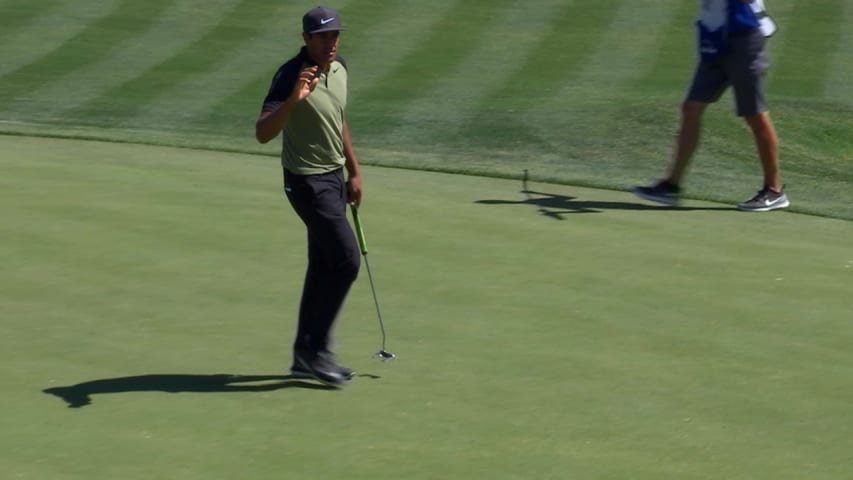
<point>312,291</point>
<point>334,261</point>
<point>340,266</point>
<point>300,194</point>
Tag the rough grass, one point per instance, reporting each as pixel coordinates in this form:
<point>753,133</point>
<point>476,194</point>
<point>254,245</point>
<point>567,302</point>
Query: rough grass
<point>583,93</point>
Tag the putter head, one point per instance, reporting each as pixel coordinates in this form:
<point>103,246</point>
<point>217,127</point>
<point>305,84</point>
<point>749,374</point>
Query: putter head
<point>384,356</point>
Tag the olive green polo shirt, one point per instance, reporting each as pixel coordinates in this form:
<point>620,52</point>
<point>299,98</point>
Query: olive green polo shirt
<point>313,135</point>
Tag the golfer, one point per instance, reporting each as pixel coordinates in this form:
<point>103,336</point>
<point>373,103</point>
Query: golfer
<point>732,48</point>
<point>306,103</point>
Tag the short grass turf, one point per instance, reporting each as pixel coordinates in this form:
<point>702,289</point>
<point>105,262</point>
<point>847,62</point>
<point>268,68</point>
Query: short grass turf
<point>581,92</point>
<point>550,332</point>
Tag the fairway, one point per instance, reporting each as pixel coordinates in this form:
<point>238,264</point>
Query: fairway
<point>581,92</point>
<point>558,332</point>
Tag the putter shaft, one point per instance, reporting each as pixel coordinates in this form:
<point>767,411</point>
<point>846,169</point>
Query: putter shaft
<point>362,243</point>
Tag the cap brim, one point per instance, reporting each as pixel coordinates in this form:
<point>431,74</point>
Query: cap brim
<point>327,29</point>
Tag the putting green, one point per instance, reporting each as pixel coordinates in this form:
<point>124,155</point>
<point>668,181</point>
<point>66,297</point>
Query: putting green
<point>557,332</point>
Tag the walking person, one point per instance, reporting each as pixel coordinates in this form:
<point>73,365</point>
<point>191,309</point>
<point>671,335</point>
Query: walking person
<point>306,103</point>
<point>732,48</point>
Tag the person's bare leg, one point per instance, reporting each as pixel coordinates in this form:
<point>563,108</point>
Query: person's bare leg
<point>686,141</point>
<point>768,148</point>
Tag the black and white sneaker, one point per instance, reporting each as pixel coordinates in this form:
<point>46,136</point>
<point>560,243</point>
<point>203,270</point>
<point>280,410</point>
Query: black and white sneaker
<point>297,371</point>
<point>320,366</point>
<point>661,192</point>
<point>330,357</point>
<point>764,201</point>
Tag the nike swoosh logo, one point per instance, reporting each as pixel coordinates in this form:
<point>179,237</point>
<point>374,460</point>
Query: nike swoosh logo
<point>324,21</point>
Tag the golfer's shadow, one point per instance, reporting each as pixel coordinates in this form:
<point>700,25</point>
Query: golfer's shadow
<point>556,206</point>
<point>80,395</point>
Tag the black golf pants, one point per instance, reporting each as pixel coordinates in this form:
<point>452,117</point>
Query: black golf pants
<point>333,254</point>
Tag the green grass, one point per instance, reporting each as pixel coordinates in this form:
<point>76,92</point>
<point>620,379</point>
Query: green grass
<point>582,93</point>
<point>563,332</point>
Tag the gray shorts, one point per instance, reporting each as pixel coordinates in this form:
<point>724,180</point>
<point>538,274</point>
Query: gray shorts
<point>742,68</point>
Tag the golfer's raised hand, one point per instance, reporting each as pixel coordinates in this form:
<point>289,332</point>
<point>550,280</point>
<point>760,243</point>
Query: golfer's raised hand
<point>308,79</point>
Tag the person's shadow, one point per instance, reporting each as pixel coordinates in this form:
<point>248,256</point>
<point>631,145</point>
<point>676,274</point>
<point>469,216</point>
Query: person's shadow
<point>80,395</point>
<point>556,206</point>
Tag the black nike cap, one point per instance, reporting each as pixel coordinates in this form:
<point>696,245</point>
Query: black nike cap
<point>321,19</point>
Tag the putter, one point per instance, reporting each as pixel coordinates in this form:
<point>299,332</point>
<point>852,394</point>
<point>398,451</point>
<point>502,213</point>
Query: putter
<point>383,354</point>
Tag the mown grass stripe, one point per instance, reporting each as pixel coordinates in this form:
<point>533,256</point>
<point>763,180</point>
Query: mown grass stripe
<point>838,86</point>
<point>380,46</point>
<point>425,66</point>
<point>121,105</point>
<point>512,28</point>
<point>375,43</point>
<point>191,101</point>
<point>577,134</point>
<point>17,15</point>
<point>236,110</point>
<point>168,33</point>
<point>54,25</point>
<point>98,39</point>
<point>600,94</point>
<point>781,11</point>
<point>569,40</point>
<point>601,88</point>
<point>806,64</point>
<point>564,45</point>
<point>382,34</point>
<point>627,51</point>
<point>236,107</point>
<point>676,55</point>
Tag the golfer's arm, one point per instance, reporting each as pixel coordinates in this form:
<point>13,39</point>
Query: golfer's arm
<point>351,163</point>
<point>270,122</point>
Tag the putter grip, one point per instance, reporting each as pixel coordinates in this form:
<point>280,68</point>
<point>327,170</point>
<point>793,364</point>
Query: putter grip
<point>359,232</point>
